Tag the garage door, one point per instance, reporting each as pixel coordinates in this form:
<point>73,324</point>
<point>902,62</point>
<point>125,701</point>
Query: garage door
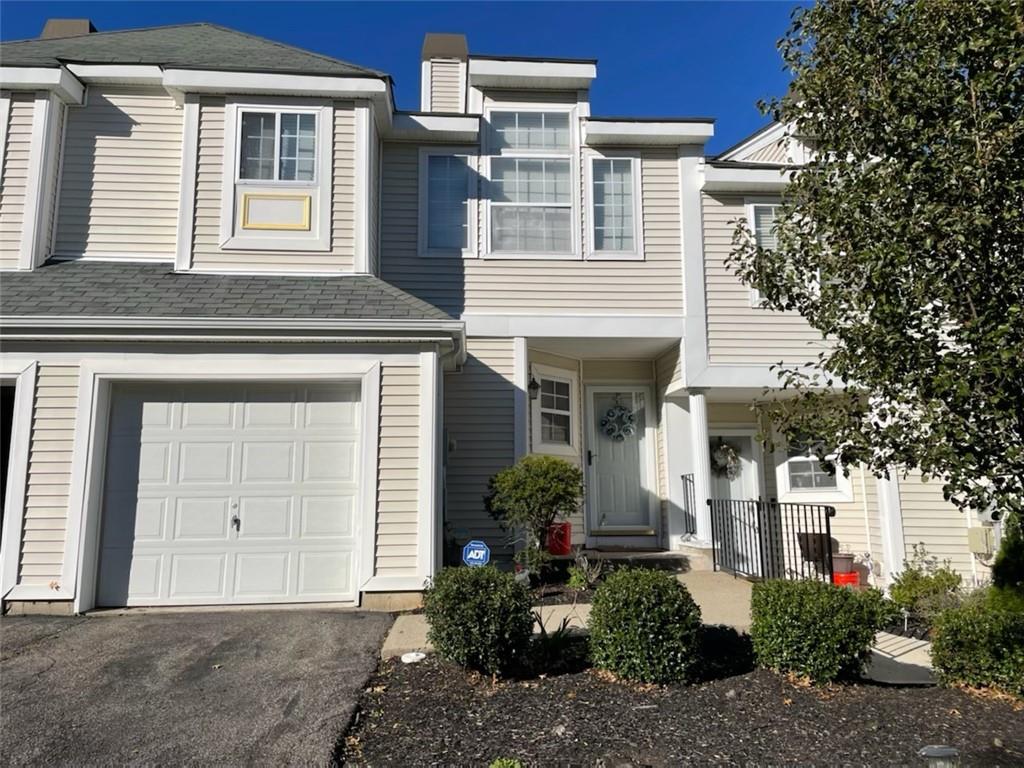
<point>235,493</point>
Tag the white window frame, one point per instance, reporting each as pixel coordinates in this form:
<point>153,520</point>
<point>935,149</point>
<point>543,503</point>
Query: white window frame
<point>277,112</point>
<point>321,187</point>
<point>473,161</point>
<point>749,204</point>
<point>843,492</point>
<point>537,443</point>
<point>637,252</point>
<point>572,154</point>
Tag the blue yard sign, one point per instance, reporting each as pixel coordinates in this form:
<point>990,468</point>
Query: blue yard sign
<point>476,553</point>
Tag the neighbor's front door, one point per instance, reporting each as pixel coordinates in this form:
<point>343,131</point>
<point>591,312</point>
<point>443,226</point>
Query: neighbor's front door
<point>734,477</point>
<point>622,497</point>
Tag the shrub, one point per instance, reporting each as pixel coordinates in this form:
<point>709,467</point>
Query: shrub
<point>814,629</point>
<point>1008,569</point>
<point>584,573</point>
<point>533,493</point>
<point>925,587</point>
<point>644,626</point>
<point>506,762</point>
<point>479,618</point>
<point>981,643</point>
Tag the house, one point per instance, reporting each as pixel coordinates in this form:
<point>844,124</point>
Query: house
<point>266,337</point>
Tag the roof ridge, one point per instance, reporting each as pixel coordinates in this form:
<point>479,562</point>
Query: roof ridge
<point>110,32</point>
<point>306,51</point>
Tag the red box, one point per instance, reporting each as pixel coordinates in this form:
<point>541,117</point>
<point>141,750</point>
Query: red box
<point>560,538</point>
<point>851,579</point>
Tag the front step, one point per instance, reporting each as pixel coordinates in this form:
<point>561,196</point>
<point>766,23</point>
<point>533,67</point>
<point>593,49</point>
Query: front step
<point>683,560</point>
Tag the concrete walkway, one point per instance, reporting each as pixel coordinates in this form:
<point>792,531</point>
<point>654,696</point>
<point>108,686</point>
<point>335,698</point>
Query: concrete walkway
<point>723,599</point>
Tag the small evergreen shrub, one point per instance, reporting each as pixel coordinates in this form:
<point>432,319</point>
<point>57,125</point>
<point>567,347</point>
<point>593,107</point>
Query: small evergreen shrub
<point>479,618</point>
<point>644,626</point>
<point>814,629</point>
<point>926,587</point>
<point>506,762</point>
<point>981,643</point>
<point>532,494</point>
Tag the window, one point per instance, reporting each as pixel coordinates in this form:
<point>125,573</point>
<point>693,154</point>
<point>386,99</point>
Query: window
<point>554,411</point>
<point>531,190</point>
<point>806,471</point>
<point>446,190</point>
<point>615,219</point>
<point>277,146</point>
<point>761,220</point>
<point>276,175</point>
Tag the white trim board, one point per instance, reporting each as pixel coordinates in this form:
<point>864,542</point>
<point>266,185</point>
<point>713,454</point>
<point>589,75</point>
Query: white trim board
<point>428,522</point>
<point>24,378</point>
<point>187,188</point>
<point>584,326</point>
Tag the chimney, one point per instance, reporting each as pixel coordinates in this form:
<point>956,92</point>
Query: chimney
<point>444,58</point>
<point>66,28</point>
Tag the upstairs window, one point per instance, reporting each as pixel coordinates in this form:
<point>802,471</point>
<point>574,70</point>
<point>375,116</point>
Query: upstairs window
<point>531,189</point>
<point>615,215</point>
<point>761,218</point>
<point>277,146</point>
<point>447,180</point>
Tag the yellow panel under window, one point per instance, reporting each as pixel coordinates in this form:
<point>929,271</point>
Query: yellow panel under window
<point>275,211</point>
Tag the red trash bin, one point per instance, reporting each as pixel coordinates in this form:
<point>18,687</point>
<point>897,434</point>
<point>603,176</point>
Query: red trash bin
<point>560,538</point>
<point>851,579</point>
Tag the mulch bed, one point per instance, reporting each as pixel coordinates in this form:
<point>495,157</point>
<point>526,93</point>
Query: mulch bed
<point>560,594</point>
<point>433,713</point>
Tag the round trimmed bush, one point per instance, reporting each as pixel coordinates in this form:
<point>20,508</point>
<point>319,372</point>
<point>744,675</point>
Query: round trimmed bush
<point>817,630</point>
<point>981,643</point>
<point>479,618</point>
<point>644,626</point>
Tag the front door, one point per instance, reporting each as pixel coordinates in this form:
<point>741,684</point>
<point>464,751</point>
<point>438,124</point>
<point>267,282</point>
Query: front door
<point>735,486</point>
<point>622,497</point>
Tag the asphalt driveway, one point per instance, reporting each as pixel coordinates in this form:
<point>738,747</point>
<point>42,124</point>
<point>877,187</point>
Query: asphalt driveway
<point>245,687</point>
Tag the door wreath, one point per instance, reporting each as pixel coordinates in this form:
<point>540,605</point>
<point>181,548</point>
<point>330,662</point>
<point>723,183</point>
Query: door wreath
<point>725,460</point>
<point>618,422</point>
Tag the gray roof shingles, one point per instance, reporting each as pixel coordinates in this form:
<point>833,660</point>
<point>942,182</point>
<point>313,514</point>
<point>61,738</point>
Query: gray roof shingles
<point>130,289</point>
<point>188,46</point>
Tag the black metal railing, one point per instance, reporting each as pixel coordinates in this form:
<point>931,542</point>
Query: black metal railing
<point>772,540</point>
<point>689,505</point>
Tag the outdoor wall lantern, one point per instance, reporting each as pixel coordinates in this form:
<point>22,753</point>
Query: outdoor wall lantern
<point>939,756</point>
<point>533,388</point>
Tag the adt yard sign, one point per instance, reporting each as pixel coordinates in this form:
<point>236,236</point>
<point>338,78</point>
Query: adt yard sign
<point>476,553</point>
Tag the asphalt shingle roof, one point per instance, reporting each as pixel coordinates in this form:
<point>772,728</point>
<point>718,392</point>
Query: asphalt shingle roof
<point>187,46</point>
<point>120,289</point>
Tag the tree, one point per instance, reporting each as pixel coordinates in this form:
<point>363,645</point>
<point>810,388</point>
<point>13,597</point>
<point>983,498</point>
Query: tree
<point>902,240</point>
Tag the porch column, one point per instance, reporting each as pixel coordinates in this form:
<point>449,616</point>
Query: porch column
<point>700,449</point>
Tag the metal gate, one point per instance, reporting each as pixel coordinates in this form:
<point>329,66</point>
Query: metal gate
<point>772,540</point>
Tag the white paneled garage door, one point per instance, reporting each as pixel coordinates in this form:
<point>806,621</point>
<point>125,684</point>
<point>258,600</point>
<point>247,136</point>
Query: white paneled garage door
<point>230,493</point>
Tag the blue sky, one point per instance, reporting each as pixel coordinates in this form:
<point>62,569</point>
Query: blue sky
<point>658,59</point>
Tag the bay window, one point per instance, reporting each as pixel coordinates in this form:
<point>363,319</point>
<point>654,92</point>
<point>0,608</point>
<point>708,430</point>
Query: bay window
<point>531,198</point>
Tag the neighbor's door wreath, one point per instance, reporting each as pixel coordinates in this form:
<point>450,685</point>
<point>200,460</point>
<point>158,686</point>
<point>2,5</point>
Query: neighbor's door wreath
<point>725,460</point>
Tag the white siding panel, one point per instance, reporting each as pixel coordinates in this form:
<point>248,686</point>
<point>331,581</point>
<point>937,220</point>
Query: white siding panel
<point>479,416</point>
<point>445,85</point>
<point>737,332</point>
<point>49,474</point>
<point>119,175</point>
<point>14,177</point>
<point>206,251</point>
<point>773,153</point>
<point>397,508</point>
<point>652,286</point>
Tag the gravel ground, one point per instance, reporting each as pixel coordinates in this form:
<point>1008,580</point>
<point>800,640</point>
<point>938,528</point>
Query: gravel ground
<point>435,714</point>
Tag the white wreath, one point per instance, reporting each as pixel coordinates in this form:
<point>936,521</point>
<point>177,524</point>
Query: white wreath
<point>618,423</point>
<point>725,461</point>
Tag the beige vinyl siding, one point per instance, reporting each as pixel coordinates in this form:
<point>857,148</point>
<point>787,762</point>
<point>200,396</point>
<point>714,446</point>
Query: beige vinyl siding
<point>398,471</point>
<point>498,285</point>
<point>206,251</point>
<point>479,415</point>
<point>739,334</point>
<point>374,200</point>
<point>119,175</point>
<point>668,368</point>
<point>446,85</point>
<point>14,176</point>
<point>931,521</point>
<point>49,474</point>
<point>773,153</point>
